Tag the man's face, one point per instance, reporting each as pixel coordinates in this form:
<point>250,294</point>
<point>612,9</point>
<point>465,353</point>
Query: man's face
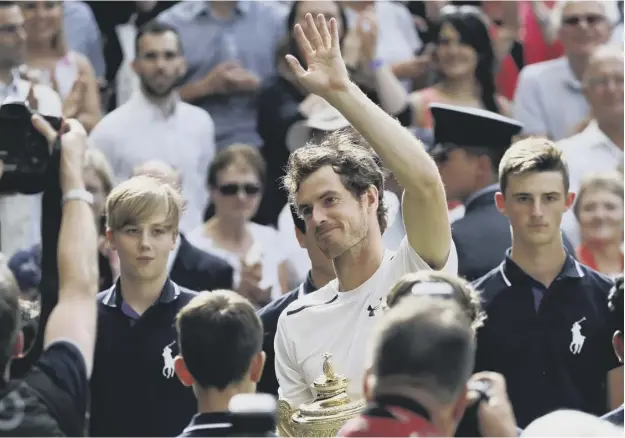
<point>159,63</point>
<point>238,193</point>
<point>584,27</point>
<point>12,37</point>
<point>534,202</point>
<point>603,87</point>
<point>335,218</point>
<point>458,171</point>
<point>143,249</point>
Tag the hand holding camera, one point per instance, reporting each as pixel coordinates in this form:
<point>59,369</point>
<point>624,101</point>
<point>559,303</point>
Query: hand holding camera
<point>494,411</point>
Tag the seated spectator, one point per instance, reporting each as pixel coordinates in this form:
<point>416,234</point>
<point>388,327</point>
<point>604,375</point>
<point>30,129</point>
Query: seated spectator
<point>230,48</point>
<point>466,62</point>
<point>83,35</point>
<point>599,210</point>
<point>53,395</point>
<point>419,385</point>
<point>20,215</point>
<point>397,44</point>
<point>154,122</point>
<point>49,61</point>
<point>599,147</point>
<point>219,325</point>
<point>188,266</point>
<point>547,87</point>
<point>236,178</point>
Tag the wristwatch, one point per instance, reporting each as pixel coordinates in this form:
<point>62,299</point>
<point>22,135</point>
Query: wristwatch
<point>78,195</point>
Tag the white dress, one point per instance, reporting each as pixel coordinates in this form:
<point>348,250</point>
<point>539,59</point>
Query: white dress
<point>266,241</point>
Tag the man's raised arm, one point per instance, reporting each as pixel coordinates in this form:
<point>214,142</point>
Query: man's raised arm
<point>74,317</point>
<point>424,203</point>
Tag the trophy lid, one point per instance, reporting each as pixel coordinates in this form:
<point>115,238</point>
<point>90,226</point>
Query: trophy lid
<point>332,401</point>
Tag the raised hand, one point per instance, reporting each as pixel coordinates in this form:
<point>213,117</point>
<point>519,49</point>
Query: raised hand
<point>320,47</point>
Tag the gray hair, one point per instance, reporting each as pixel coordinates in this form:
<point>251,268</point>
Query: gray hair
<point>610,8</point>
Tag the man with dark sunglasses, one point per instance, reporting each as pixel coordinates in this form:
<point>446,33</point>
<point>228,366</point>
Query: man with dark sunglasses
<point>468,144</point>
<point>549,100</point>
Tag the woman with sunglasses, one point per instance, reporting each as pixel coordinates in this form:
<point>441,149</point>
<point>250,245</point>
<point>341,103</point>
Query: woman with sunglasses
<point>236,180</point>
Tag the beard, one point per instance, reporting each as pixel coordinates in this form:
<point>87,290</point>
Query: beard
<point>153,92</point>
<point>356,233</point>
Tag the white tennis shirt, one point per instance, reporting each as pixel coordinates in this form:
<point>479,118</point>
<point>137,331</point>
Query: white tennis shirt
<point>341,324</point>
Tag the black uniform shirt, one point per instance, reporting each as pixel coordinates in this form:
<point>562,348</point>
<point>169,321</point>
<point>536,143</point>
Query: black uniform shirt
<point>134,390</point>
<point>553,345</point>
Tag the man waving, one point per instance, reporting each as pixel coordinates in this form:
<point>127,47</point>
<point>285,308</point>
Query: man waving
<point>336,187</point>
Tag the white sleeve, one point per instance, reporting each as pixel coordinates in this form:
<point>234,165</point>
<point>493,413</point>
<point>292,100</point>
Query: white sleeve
<point>292,385</point>
<point>406,260</point>
<point>527,105</point>
<point>49,102</point>
<point>101,139</point>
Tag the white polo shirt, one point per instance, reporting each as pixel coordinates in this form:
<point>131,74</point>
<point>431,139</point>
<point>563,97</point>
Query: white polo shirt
<point>339,323</point>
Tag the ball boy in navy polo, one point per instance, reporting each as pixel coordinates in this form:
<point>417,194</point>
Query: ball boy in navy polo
<point>134,391</point>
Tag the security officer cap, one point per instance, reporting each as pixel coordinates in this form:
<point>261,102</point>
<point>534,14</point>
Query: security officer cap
<point>458,126</point>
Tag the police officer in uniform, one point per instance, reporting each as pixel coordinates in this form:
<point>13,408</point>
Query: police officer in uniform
<point>468,145</point>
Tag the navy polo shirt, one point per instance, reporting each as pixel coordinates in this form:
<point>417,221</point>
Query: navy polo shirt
<point>269,315</point>
<point>553,345</point>
<point>134,390</point>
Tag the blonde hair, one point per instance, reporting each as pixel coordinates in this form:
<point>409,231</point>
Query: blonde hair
<point>609,181</point>
<point>141,199</point>
<point>95,160</point>
<point>533,154</point>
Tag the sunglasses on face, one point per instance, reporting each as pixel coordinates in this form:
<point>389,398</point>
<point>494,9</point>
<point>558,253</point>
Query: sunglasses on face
<point>234,189</point>
<point>589,19</point>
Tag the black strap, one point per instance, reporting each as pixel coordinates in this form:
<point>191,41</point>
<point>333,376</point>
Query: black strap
<point>58,402</point>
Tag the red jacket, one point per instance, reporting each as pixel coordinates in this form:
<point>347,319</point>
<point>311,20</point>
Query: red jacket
<point>391,416</point>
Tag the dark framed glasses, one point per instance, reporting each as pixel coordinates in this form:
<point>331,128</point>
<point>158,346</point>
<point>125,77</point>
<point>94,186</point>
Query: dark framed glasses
<point>234,189</point>
<point>590,19</point>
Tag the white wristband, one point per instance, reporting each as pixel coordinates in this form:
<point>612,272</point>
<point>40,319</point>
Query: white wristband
<point>78,195</point>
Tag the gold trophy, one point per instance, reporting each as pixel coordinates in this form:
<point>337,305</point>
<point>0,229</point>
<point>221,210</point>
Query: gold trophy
<point>326,414</point>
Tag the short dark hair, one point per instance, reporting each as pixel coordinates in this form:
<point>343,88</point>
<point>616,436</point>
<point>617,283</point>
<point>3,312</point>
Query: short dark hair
<point>615,305</point>
<point>219,334</point>
<point>9,314</point>
<point>230,154</point>
<point>349,155</point>
<point>154,27</point>
<point>466,296</point>
<point>533,154</point>
<point>426,343</point>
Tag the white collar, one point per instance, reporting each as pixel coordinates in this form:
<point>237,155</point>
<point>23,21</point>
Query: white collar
<point>139,97</point>
<point>173,254</point>
<point>597,137</point>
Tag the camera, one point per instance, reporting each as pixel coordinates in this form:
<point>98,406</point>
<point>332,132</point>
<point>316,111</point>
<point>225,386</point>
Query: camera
<point>23,150</point>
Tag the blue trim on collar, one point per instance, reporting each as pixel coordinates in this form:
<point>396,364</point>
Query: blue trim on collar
<point>512,273</point>
<point>170,293</point>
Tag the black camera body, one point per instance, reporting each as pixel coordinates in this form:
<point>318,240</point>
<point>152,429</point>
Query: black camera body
<point>24,151</point>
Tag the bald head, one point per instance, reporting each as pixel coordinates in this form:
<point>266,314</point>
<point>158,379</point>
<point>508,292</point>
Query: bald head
<point>606,53</point>
<point>161,171</point>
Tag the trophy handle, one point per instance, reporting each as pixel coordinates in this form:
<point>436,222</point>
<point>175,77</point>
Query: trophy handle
<point>285,413</point>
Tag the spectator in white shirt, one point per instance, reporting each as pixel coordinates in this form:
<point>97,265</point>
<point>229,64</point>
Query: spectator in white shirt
<point>20,215</point>
<point>599,147</point>
<point>337,187</point>
<point>155,125</point>
<point>236,178</point>
<point>549,100</point>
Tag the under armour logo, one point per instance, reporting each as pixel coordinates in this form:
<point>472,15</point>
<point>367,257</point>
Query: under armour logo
<point>372,310</point>
<point>578,339</point>
<point>168,358</point>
